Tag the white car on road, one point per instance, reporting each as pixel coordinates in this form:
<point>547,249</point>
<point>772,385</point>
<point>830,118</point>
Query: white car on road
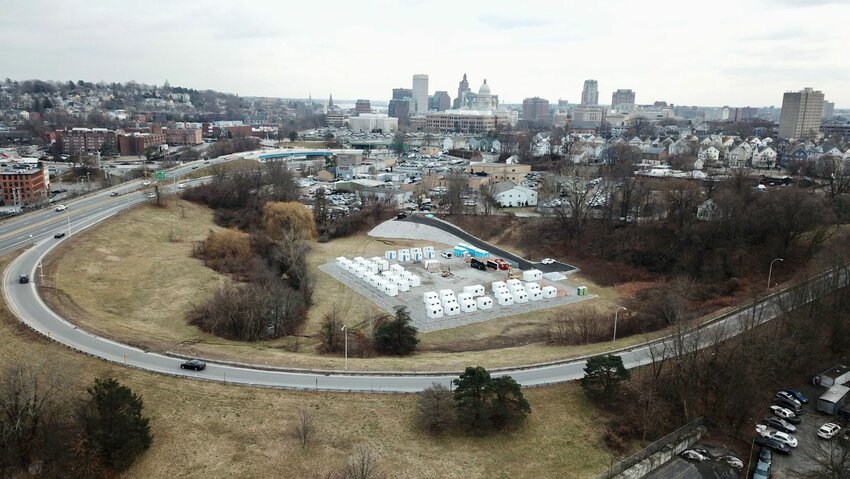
<point>181,185</point>
<point>146,183</point>
<point>828,430</point>
<point>548,261</point>
<point>61,207</point>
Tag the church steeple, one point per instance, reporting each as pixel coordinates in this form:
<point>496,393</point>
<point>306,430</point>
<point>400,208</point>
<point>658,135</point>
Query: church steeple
<point>331,101</point>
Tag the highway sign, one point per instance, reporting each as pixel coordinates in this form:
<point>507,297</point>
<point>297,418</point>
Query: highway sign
<point>160,175</point>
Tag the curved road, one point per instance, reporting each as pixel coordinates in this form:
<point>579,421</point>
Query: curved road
<point>24,301</point>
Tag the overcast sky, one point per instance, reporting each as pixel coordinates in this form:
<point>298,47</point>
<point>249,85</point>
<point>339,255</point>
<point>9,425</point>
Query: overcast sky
<point>723,52</point>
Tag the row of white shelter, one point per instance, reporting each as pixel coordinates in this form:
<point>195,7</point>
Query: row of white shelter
<point>474,298</point>
<point>410,254</point>
<point>378,273</point>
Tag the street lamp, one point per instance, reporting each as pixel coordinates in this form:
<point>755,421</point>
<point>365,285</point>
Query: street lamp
<point>770,271</point>
<point>345,330</point>
<point>616,313</point>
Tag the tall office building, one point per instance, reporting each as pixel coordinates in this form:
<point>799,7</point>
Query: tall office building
<point>420,92</point>
<point>590,93</point>
<point>623,100</point>
<point>801,113</point>
<point>535,110</point>
<point>828,110</point>
<point>362,106</point>
<point>440,101</point>
<point>402,93</point>
<point>462,88</point>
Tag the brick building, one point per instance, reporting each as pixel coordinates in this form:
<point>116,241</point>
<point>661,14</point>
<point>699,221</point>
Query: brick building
<point>183,136</point>
<point>137,143</point>
<point>23,184</point>
<point>86,140</point>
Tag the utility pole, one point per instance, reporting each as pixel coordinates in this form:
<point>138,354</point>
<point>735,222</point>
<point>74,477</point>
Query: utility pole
<point>345,330</point>
<point>68,212</point>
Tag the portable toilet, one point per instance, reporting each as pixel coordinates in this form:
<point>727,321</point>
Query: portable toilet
<point>397,268</point>
<point>434,311</point>
<point>520,297</point>
<point>403,285</point>
<point>581,291</point>
<point>484,302</point>
<point>532,275</point>
<point>446,293</point>
<point>468,306</point>
<point>429,295</point>
<point>390,255</point>
<point>451,309</point>
<point>414,280</point>
<point>460,250</point>
<point>549,292</point>
<point>535,295</point>
<point>416,254</point>
<point>403,255</point>
<point>428,252</point>
<point>504,299</point>
<point>391,289</point>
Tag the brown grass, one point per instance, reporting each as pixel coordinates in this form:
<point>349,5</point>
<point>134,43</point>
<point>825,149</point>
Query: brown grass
<point>210,430</point>
<point>108,280</point>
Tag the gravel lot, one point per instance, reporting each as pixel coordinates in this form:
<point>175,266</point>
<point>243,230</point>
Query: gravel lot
<point>462,275</point>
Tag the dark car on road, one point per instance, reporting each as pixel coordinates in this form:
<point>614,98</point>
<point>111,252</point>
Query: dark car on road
<point>59,235</point>
<point>780,424</point>
<point>773,444</point>
<point>194,364</point>
<point>23,279</point>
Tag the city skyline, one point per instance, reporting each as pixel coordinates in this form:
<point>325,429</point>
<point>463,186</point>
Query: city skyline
<point>234,49</point>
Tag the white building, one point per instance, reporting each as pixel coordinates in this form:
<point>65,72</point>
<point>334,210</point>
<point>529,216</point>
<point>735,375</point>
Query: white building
<point>508,193</point>
<point>369,122</point>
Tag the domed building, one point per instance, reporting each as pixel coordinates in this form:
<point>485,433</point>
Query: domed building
<point>484,100</point>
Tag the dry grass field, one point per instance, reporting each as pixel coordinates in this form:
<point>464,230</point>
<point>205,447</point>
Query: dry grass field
<point>132,278</point>
<point>211,430</point>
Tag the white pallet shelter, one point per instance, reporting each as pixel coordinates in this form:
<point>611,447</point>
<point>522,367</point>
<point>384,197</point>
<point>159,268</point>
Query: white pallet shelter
<point>475,290</point>
<point>434,311</point>
<point>532,275</point>
<point>484,302</point>
<point>468,306</point>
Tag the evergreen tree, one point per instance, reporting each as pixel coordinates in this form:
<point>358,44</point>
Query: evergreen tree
<point>471,397</point>
<point>113,423</point>
<point>603,375</point>
<point>396,337</point>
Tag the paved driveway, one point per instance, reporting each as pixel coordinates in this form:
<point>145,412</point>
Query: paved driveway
<point>521,262</point>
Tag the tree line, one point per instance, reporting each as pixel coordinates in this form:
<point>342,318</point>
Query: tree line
<point>48,428</point>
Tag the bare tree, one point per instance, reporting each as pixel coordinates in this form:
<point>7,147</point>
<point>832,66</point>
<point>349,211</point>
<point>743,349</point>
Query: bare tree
<point>581,195</point>
<point>305,427</point>
<point>436,409</point>
<point>831,460</point>
<point>362,465</point>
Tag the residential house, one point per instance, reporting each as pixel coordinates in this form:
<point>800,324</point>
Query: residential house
<point>764,157</point>
<point>707,210</point>
<point>709,154</point>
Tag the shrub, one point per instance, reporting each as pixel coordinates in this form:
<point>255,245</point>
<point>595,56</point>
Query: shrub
<point>436,409</point>
<point>288,218</point>
<point>228,251</point>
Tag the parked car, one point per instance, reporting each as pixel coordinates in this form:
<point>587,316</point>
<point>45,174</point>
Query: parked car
<point>194,364</point>
<point>732,461</point>
<point>782,437</point>
<point>694,455</point>
<point>797,395</point>
<point>787,404</point>
<point>59,235</point>
<point>401,216</point>
<point>789,397</point>
<point>828,430</point>
<point>785,414</point>
<point>762,471</point>
<point>23,279</point>
<point>766,456</point>
<point>548,261</point>
<point>773,444</point>
<point>780,424</point>
<point>446,255</point>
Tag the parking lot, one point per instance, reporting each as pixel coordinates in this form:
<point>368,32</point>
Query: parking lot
<point>679,468</point>
<point>800,459</point>
<point>461,274</point>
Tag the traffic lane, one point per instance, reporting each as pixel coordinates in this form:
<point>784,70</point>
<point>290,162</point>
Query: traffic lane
<point>676,468</point>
